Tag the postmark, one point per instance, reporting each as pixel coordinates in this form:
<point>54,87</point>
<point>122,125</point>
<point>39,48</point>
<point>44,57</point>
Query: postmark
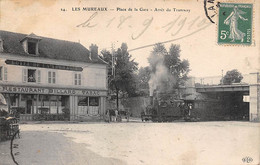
<point>210,8</point>
<point>235,24</point>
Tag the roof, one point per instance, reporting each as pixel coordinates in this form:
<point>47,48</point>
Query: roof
<point>48,48</point>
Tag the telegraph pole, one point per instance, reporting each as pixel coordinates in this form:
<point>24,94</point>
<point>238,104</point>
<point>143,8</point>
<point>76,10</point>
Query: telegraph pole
<point>113,61</point>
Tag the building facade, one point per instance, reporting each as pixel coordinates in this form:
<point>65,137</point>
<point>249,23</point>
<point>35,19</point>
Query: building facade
<point>39,72</point>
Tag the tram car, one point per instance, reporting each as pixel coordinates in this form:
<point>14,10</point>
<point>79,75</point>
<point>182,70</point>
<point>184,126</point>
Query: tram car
<point>167,110</point>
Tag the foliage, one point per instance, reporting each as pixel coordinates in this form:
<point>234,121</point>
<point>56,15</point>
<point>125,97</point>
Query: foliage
<point>177,67</point>
<point>125,70</point>
<point>143,77</point>
<point>233,76</point>
<point>124,80</point>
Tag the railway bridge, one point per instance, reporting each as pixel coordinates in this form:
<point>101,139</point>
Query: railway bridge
<point>243,98</point>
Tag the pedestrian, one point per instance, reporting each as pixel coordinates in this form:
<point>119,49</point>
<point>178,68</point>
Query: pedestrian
<point>116,115</point>
<point>127,115</point>
<point>108,117</point>
<point>190,108</point>
<point>112,115</point>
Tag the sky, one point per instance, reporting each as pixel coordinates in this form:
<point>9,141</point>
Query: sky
<point>184,23</point>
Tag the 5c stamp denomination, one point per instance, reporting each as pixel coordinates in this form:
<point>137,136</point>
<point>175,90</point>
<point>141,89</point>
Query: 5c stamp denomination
<point>235,23</point>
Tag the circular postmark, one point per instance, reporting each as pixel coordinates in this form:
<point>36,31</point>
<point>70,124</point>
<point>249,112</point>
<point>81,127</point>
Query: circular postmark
<point>247,159</point>
<point>210,7</point>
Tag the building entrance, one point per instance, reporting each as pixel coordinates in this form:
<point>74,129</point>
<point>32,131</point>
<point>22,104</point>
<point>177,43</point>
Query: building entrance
<point>29,104</point>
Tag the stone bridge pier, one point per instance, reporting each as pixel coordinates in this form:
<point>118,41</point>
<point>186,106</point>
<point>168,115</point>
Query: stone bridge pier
<point>254,96</point>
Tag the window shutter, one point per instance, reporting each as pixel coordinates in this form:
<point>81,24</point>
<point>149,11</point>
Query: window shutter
<point>24,75</point>
<point>39,76</point>
<point>79,78</point>
<point>75,78</point>
<point>53,77</point>
<point>5,73</point>
<point>49,77</point>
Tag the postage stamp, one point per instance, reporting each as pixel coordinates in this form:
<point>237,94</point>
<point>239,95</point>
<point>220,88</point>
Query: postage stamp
<point>235,23</point>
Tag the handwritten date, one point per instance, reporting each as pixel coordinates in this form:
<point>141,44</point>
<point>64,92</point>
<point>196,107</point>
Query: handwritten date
<point>173,27</point>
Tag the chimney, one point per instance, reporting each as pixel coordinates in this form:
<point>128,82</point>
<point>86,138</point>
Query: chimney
<point>93,51</point>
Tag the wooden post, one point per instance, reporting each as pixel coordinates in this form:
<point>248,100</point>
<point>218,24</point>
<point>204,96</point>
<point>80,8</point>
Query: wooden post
<point>49,104</point>
<point>42,101</point>
<point>57,103</point>
<point>32,105</point>
<point>88,107</point>
<point>26,98</point>
<point>16,100</point>
<point>20,99</point>
<point>8,102</point>
<point>37,103</point>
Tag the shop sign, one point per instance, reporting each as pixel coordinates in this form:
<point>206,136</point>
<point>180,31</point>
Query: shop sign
<point>51,91</point>
<point>42,65</point>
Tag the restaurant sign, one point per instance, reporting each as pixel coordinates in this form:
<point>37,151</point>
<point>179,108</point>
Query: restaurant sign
<point>51,91</point>
<point>42,65</point>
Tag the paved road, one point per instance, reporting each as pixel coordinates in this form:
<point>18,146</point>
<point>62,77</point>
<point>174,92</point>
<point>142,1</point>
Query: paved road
<point>179,143</point>
<point>50,148</point>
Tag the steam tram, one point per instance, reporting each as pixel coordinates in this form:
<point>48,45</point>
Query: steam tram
<point>168,110</point>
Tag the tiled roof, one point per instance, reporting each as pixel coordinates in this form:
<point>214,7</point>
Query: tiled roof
<point>48,48</point>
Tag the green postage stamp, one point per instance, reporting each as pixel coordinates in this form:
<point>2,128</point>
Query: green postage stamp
<point>235,23</point>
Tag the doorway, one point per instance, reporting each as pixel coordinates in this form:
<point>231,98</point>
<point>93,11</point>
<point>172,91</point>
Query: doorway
<point>29,106</point>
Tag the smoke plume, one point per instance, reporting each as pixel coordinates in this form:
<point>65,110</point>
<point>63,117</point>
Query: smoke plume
<point>159,73</point>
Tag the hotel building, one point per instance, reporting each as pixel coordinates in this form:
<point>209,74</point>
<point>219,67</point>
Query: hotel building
<point>55,74</point>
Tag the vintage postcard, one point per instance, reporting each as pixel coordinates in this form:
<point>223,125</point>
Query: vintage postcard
<point>134,82</point>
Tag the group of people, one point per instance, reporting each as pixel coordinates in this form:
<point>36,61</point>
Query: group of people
<point>113,115</point>
<point>186,109</point>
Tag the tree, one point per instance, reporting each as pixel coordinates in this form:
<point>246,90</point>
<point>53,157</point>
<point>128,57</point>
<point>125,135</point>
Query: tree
<point>143,77</point>
<point>168,71</point>
<point>233,76</point>
<point>177,67</point>
<point>124,79</point>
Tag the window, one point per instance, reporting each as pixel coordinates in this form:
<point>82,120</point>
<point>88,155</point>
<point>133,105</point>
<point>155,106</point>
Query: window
<point>51,77</point>
<point>83,101</point>
<point>31,47</point>
<point>39,76</point>
<point>3,73</point>
<point>1,45</point>
<point>31,75</point>
<point>77,79</point>
<point>93,101</point>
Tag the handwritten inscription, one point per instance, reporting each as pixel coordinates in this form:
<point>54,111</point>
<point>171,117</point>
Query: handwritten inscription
<point>174,27</point>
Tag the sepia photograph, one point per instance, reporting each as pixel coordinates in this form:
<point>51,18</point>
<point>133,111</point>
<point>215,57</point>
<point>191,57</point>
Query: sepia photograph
<point>134,82</point>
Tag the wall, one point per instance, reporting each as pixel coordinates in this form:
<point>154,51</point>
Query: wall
<point>254,97</point>
<point>94,76</point>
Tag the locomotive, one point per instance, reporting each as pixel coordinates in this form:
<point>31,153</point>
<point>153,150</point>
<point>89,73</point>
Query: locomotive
<point>163,108</point>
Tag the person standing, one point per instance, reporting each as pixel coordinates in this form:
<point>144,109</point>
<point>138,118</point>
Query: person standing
<point>116,115</point>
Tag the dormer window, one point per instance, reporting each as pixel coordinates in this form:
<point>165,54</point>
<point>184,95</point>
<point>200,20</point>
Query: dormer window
<point>32,47</point>
<point>1,45</point>
<point>30,44</point>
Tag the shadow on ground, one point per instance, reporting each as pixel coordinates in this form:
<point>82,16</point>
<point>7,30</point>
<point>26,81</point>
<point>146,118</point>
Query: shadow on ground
<point>41,148</point>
